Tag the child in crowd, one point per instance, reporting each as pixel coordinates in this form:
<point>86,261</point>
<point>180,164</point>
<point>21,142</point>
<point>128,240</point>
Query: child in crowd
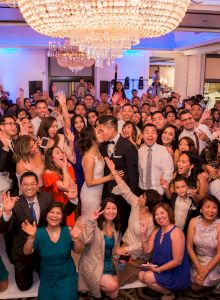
<point>182,203</point>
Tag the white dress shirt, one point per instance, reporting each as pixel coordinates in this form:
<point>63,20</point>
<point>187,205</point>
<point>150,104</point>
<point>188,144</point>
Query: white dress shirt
<point>36,207</point>
<point>36,123</point>
<point>162,165</point>
<point>190,134</point>
<point>111,147</point>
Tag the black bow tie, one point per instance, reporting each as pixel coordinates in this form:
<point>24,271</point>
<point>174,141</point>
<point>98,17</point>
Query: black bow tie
<point>111,142</point>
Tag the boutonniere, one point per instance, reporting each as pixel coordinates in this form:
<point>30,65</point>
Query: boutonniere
<point>111,149</point>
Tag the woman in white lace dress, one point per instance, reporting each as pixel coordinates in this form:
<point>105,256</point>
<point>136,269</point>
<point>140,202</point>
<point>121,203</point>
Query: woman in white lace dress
<point>93,167</point>
<point>203,245</point>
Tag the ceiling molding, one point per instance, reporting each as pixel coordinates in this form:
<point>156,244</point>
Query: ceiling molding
<point>203,50</point>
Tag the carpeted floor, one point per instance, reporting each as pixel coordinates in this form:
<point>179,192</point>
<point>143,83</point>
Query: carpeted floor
<point>145,293</point>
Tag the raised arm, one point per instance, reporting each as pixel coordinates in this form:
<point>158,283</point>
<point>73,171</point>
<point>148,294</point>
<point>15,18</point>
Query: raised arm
<point>75,233</point>
<point>147,244</point>
<point>62,101</point>
<point>88,235</point>
<point>122,188</point>
<point>63,185</point>
<point>6,219</point>
<point>31,231</point>
<point>69,148</point>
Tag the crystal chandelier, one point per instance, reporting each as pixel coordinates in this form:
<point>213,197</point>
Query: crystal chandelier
<point>10,3</point>
<point>69,56</point>
<point>103,28</point>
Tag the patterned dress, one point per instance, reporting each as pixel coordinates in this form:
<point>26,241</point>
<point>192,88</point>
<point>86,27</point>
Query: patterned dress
<point>205,247</point>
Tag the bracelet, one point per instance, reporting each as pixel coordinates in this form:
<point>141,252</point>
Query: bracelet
<point>157,270</point>
<point>114,174</point>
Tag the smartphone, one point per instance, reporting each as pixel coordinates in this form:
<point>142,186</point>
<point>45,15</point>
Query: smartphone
<point>44,142</point>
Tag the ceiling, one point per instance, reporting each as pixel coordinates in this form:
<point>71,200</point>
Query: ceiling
<point>199,27</point>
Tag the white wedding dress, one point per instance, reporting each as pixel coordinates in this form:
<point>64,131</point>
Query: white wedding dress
<point>91,197</point>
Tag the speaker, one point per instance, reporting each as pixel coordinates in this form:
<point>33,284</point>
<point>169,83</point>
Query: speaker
<point>104,87</point>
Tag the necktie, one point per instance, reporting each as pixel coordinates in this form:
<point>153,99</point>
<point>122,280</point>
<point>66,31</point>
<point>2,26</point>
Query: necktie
<point>149,167</point>
<point>111,142</point>
<point>31,205</point>
<point>197,141</point>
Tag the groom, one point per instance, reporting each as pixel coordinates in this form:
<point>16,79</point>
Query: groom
<point>125,157</point>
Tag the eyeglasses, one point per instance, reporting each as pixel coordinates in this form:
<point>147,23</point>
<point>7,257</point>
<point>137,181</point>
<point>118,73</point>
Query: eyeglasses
<point>11,124</point>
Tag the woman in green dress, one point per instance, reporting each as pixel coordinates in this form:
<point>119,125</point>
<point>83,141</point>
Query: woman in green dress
<point>58,279</point>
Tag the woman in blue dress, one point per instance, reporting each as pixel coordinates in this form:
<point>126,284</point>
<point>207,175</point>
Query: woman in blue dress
<point>77,125</point>
<point>169,269</point>
<point>58,279</point>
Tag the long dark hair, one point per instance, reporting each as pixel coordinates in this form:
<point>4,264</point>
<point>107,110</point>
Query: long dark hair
<point>45,126</point>
<point>134,133</point>
<point>49,164</point>
<point>211,151</point>
<point>140,123</point>
<point>86,140</point>
<point>73,120</point>
<point>101,218</point>
<point>153,198</point>
<point>122,89</point>
<point>190,143</point>
<point>197,168</point>
<point>174,143</point>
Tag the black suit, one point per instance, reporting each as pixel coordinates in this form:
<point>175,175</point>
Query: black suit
<point>25,264</point>
<point>7,164</point>
<point>125,158</point>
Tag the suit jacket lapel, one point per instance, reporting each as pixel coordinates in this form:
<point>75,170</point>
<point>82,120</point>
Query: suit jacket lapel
<point>117,146</point>
<point>26,208</point>
<point>104,149</point>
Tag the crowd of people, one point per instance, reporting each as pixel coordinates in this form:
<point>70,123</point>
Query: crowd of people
<point>132,185</point>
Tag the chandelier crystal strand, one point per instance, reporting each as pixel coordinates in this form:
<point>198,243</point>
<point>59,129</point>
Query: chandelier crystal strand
<point>69,56</point>
<point>103,28</point>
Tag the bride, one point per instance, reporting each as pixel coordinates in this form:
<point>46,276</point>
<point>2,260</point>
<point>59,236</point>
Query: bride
<point>93,166</point>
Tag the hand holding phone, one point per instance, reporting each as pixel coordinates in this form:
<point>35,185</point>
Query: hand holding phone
<point>147,266</point>
<point>44,142</point>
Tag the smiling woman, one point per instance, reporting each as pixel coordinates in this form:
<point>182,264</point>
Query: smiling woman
<point>54,243</point>
<point>59,178</point>
<point>96,270</point>
<point>203,244</point>
<point>169,269</point>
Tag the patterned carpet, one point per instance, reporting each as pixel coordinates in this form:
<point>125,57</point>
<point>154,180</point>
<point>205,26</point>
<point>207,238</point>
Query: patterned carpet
<point>145,293</point>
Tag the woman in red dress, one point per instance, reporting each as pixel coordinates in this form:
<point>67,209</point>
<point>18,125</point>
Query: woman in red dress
<point>59,177</point>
